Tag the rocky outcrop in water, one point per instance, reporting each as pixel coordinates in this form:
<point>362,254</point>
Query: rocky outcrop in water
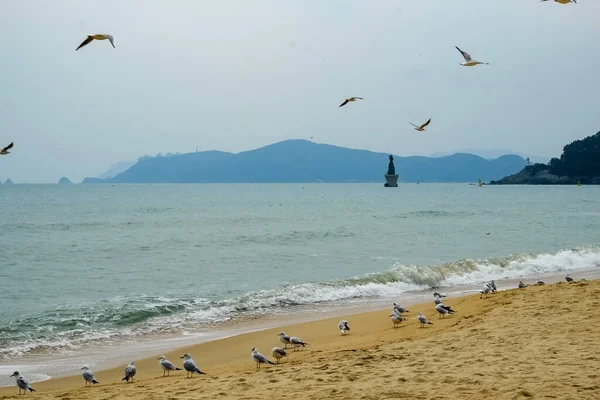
<point>64,181</point>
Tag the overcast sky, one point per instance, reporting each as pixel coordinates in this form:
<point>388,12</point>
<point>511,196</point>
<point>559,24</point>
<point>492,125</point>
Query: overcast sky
<point>235,75</point>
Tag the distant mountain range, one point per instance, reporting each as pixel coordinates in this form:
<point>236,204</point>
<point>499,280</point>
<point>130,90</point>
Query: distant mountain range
<point>490,154</point>
<point>305,161</point>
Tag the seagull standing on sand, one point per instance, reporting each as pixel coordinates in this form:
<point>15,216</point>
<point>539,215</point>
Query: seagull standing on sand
<point>400,309</point>
<point>166,365</point>
<point>278,353</point>
<point>422,127</point>
<point>436,294</point>
<point>190,366</point>
<point>493,286</point>
<point>486,290</point>
<point>444,310</point>
<point>568,278</point>
<point>297,342</point>
<point>259,358</point>
<point>351,99</point>
<point>423,320</point>
<point>97,36</point>
<point>396,318</point>
<point>285,339</point>
<point>343,325</point>
<point>5,150</point>
<point>88,376</point>
<point>522,285</point>
<point>540,282</point>
<point>22,383</point>
<point>469,62</point>
<point>437,300</point>
<point>130,371</point>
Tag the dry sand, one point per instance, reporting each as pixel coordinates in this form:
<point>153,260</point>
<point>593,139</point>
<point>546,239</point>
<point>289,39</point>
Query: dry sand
<point>541,342</point>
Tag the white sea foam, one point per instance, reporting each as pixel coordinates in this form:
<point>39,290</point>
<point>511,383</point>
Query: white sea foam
<point>69,329</point>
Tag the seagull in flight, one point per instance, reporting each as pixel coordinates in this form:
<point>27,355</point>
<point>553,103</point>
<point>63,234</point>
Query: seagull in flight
<point>422,127</point>
<point>562,1</point>
<point>5,150</point>
<point>469,62</point>
<point>350,100</point>
<point>97,36</point>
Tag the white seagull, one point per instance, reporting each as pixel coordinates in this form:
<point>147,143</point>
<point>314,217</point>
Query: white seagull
<point>130,371</point>
<point>469,62</point>
<point>297,342</point>
<point>5,150</point>
<point>343,325</point>
<point>396,318</point>
<point>423,320</point>
<point>285,339</point>
<point>437,300</point>
<point>422,127</point>
<point>97,36</point>
<point>351,99</point>
<point>166,365</point>
<point>88,376</point>
<point>259,358</point>
<point>278,353</point>
<point>486,289</point>
<point>444,310</point>
<point>400,309</point>
<point>190,366</point>
<point>22,384</point>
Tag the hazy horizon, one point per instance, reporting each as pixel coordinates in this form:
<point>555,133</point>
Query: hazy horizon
<point>236,75</point>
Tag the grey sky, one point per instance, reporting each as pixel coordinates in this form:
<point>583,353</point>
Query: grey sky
<point>236,75</point>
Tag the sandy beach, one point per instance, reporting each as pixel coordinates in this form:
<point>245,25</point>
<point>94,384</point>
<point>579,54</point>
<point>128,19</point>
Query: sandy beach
<point>538,342</point>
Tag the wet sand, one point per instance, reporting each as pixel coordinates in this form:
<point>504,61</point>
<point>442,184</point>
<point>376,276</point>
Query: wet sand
<point>539,342</point>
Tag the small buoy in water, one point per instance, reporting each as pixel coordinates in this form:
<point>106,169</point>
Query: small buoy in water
<point>578,183</point>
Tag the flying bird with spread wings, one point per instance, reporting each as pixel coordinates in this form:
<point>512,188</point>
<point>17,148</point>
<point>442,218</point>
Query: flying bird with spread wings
<point>5,150</point>
<point>562,1</point>
<point>422,127</point>
<point>97,36</point>
<point>351,99</point>
<point>469,62</point>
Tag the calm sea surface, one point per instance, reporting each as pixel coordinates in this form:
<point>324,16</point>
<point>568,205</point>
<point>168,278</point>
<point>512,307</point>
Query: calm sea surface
<point>84,265</point>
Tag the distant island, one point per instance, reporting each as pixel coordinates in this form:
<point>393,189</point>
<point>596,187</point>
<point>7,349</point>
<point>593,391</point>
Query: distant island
<point>579,162</point>
<point>64,181</point>
<point>8,182</point>
<point>302,161</point>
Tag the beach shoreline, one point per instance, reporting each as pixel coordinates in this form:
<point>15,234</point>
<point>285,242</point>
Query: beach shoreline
<point>107,358</point>
<point>371,330</point>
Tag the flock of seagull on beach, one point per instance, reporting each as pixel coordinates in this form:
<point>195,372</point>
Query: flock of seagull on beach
<point>277,352</point>
<point>191,368</point>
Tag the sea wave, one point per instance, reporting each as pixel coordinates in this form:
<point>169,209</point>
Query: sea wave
<point>124,318</point>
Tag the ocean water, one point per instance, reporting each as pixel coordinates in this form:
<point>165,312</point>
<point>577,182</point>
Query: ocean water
<point>87,266</point>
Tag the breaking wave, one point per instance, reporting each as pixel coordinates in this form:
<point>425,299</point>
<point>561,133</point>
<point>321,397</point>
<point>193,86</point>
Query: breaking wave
<point>123,318</point>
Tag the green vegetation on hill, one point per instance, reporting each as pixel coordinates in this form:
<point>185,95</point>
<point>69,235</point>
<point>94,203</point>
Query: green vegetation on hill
<point>579,162</point>
<point>579,158</point>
